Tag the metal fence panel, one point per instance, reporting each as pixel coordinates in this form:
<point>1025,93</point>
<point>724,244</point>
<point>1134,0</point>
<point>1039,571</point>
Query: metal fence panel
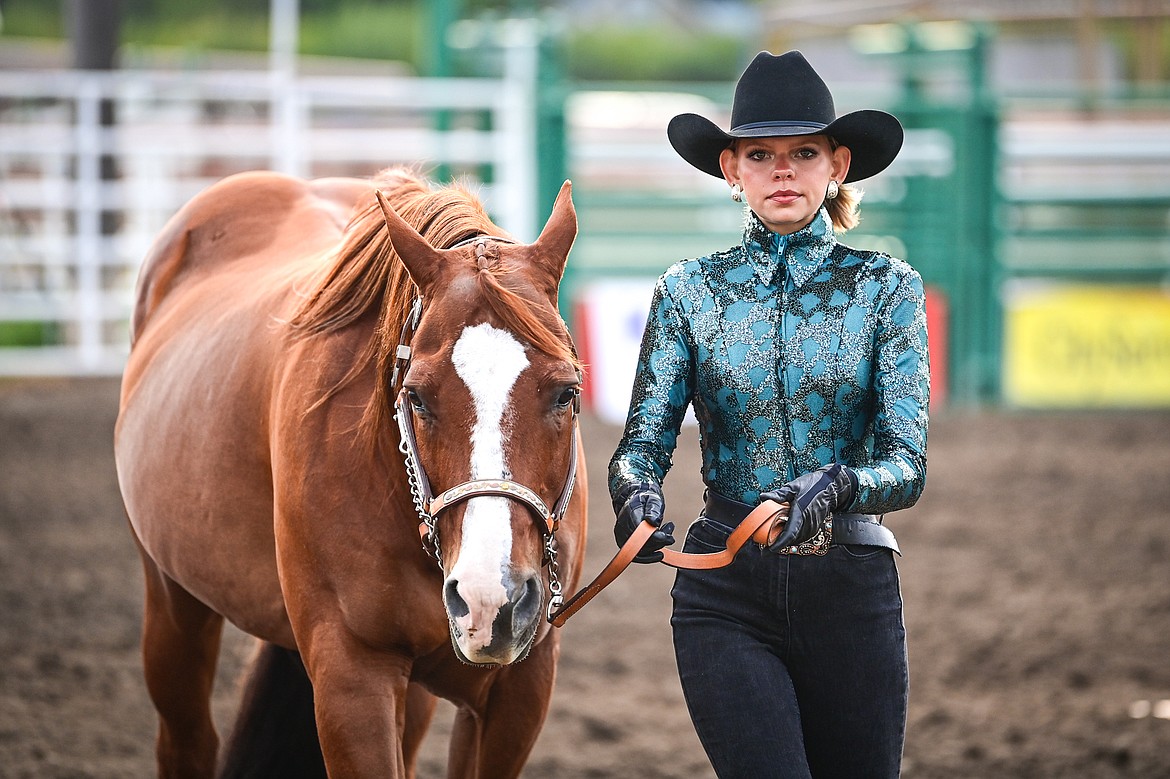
<point>81,200</point>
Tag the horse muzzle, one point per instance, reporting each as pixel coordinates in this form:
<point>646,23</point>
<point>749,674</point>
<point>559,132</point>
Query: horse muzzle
<point>495,625</point>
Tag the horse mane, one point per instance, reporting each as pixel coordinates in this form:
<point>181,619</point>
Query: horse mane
<point>367,275</point>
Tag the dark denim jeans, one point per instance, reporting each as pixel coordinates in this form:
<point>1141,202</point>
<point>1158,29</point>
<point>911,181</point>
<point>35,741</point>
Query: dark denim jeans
<point>793,666</point>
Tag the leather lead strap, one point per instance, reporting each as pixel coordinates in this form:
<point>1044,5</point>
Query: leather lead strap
<point>758,526</point>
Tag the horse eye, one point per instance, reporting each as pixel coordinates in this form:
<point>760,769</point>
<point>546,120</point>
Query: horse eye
<point>416,401</point>
<point>568,396</point>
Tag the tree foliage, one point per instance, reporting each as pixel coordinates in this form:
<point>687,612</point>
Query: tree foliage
<point>395,30</point>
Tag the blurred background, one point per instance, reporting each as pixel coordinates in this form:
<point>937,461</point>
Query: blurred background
<point>1033,192</point>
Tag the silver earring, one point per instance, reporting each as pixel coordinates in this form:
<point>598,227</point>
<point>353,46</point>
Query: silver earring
<point>834,190</point>
<point>737,193</point>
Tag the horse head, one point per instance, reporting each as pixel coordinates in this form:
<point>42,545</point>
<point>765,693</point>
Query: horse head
<point>488,401</point>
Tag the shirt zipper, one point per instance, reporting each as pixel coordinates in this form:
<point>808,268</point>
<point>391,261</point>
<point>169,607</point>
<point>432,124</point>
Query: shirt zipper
<point>785,418</point>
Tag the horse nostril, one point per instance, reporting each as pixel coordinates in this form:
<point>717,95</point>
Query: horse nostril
<point>528,605</point>
<point>456,606</point>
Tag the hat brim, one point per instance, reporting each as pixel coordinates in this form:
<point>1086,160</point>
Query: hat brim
<point>874,139</point>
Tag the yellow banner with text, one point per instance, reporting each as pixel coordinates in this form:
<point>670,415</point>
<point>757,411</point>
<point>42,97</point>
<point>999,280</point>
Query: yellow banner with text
<point>1085,345</point>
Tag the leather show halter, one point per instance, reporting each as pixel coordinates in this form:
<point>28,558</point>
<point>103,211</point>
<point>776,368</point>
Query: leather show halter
<point>430,506</point>
<point>761,525</point>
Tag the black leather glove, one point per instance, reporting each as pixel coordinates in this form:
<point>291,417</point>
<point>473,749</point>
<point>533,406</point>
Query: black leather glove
<point>812,499</point>
<point>635,504</point>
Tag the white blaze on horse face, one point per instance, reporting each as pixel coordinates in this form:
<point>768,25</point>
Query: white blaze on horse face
<point>489,361</point>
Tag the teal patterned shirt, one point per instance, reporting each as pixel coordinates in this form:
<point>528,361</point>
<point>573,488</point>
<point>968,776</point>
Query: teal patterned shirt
<point>795,351</point>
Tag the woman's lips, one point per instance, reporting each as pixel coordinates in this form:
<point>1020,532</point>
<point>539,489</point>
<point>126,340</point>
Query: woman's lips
<point>783,196</point>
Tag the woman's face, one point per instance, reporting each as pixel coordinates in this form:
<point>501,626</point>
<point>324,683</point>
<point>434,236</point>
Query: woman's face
<point>784,178</point>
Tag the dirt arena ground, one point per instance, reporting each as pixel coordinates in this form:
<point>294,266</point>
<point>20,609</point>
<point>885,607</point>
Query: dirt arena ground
<point>1036,578</point>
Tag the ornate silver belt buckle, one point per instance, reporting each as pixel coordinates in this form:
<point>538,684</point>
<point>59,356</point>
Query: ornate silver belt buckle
<point>817,545</point>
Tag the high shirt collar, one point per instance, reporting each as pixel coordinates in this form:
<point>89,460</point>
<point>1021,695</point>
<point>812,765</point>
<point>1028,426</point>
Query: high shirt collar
<point>801,253</point>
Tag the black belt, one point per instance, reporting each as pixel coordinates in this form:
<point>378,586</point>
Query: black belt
<point>848,528</point>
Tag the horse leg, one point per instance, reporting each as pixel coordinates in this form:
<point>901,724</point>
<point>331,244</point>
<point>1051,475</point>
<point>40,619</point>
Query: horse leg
<point>359,697</point>
<point>420,710</point>
<point>463,750</point>
<point>497,744</point>
<point>180,649</point>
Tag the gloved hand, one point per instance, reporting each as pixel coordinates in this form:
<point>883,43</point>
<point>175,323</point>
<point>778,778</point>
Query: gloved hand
<point>812,499</point>
<point>635,504</point>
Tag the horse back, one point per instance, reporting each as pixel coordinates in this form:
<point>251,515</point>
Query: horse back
<point>258,217</point>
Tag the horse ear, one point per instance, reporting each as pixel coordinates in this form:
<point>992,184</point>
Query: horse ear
<point>420,258</point>
<point>556,239</point>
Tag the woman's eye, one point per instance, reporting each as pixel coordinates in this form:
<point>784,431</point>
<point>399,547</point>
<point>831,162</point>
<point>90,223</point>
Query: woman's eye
<point>757,155</point>
<point>806,154</point>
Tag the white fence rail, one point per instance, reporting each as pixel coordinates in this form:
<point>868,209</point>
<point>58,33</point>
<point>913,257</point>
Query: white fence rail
<point>71,240</point>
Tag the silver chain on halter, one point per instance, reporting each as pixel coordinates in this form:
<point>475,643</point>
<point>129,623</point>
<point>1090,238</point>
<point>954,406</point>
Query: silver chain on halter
<point>556,596</point>
<point>412,477</point>
<point>413,469</point>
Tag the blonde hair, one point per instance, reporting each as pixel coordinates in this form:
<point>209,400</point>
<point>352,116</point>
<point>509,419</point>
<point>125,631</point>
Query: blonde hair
<point>845,209</point>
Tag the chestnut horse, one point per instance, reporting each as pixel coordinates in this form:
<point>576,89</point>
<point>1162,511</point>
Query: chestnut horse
<point>278,324</point>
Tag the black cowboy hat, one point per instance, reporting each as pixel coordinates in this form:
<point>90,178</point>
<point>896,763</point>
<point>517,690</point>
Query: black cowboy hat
<point>783,95</point>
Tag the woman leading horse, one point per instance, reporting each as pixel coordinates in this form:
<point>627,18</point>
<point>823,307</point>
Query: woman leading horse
<point>267,484</point>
